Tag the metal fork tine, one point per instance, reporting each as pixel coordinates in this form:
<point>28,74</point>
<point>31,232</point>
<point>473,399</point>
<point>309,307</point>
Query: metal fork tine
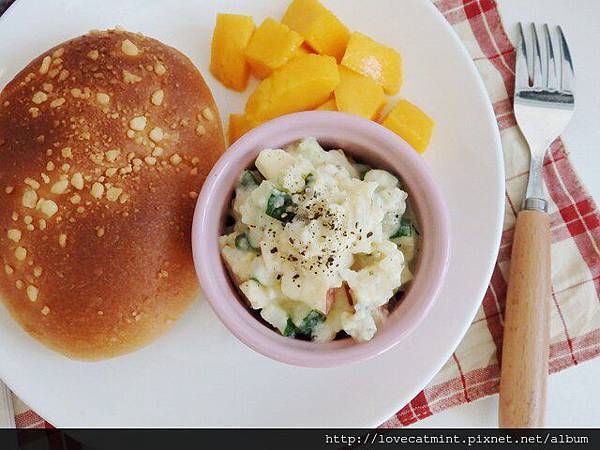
<point>538,80</point>
<point>567,74</point>
<point>521,70</point>
<point>553,82</point>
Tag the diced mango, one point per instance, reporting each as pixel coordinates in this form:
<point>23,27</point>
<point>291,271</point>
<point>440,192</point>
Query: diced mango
<point>271,46</point>
<point>358,94</point>
<point>329,105</point>
<point>381,114</point>
<point>304,49</point>
<point>383,64</point>
<point>302,84</point>
<point>411,124</point>
<point>230,38</point>
<point>239,124</point>
<point>321,29</point>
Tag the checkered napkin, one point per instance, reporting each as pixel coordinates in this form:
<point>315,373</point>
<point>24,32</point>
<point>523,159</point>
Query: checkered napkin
<point>473,370</point>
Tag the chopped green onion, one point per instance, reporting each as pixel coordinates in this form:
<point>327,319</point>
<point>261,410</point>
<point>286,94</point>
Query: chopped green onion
<point>242,242</point>
<point>290,329</point>
<point>307,328</point>
<point>311,320</point>
<point>278,206</point>
<point>404,229</point>
<point>249,178</point>
<point>310,179</point>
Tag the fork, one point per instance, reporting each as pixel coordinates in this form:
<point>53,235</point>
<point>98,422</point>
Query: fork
<point>544,102</point>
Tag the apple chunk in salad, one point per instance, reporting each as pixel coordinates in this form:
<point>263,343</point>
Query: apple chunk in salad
<point>321,246</point>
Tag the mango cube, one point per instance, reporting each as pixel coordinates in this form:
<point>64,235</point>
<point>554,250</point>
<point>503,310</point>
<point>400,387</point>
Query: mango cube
<point>302,84</point>
<point>271,46</point>
<point>227,62</point>
<point>304,49</point>
<point>358,94</point>
<point>321,29</point>
<point>381,113</point>
<point>329,105</point>
<point>411,124</point>
<point>239,124</point>
<point>381,63</point>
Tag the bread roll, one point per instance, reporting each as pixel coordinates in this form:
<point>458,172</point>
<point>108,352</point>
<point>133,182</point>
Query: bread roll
<point>105,141</point>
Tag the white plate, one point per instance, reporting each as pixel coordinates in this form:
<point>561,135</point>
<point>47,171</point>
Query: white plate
<point>199,374</point>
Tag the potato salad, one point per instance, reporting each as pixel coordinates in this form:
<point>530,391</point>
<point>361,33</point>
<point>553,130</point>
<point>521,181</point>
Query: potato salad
<point>320,244</point>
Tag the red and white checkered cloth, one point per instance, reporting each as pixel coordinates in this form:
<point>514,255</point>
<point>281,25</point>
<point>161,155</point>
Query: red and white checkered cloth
<point>473,370</point>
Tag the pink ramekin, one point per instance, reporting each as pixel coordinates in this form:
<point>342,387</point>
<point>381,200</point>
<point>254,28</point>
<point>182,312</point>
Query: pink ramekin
<point>367,142</point>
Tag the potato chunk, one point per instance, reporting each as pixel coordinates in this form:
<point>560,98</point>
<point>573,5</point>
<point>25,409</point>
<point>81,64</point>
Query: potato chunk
<point>271,46</point>
<point>302,84</point>
<point>239,124</point>
<point>230,38</point>
<point>411,124</point>
<point>321,29</point>
<point>358,94</point>
<point>381,63</point>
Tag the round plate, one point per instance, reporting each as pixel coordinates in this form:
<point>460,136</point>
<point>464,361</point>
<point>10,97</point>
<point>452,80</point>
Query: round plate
<point>199,374</point>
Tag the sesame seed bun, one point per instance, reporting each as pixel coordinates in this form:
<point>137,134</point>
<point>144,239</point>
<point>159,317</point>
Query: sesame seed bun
<point>105,141</point>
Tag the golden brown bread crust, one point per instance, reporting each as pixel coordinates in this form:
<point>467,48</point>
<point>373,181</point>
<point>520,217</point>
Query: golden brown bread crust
<point>96,212</point>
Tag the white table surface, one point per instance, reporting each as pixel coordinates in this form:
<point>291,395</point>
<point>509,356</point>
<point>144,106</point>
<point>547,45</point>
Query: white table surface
<point>573,395</point>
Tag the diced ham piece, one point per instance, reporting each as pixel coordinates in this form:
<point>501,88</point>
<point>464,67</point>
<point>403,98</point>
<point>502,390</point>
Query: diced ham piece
<point>329,299</point>
<point>332,294</point>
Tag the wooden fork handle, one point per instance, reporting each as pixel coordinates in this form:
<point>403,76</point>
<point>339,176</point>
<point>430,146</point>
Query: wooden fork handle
<point>526,325</point>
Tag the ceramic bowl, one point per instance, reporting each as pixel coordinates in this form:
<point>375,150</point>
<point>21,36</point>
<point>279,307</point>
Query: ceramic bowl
<point>366,142</point>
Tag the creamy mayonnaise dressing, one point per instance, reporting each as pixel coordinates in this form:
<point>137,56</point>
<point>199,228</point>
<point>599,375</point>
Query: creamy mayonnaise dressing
<point>320,244</point>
